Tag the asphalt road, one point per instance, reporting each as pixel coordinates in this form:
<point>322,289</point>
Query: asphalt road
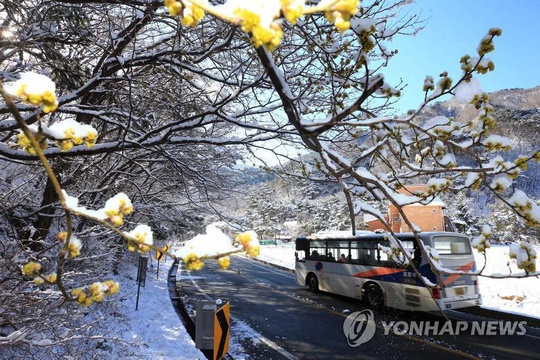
<point>293,323</point>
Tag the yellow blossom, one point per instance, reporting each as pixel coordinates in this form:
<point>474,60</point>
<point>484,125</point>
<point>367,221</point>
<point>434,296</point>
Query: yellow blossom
<point>74,247</point>
<point>244,238</point>
<point>35,89</point>
<point>31,268</point>
<point>117,220</point>
<point>224,262</point>
<point>192,262</point>
<point>131,246</point>
<point>98,297</point>
<point>116,207</point>
<point>51,278</point>
<point>23,140</point>
<point>192,15</point>
<point>125,206</point>
<point>292,9</point>
<point>189,257</point>
<point>77,140</point>
<point>94,288</point>
<point>113,287</point>
<point>144,236</point>
<point>97,291</point>
<point>64,145</point>
<point>175,9</point>
<point>340,13</point>
<point>81,296</point>
<point>268,36</point>
<point>91,138</point>
<point>76,292</point>
<point>253,251</point>
<point>38,280</point>
<point>195,265</point>
<point>249,242</point>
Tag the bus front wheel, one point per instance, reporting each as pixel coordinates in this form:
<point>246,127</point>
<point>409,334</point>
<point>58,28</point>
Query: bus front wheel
<point>374,296</point>
<point>313,283</point>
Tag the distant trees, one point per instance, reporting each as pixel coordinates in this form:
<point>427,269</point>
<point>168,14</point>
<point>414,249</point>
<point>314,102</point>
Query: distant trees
<point>312,207</point>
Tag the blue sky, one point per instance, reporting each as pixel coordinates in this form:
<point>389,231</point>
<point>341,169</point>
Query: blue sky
<point>454,29</point>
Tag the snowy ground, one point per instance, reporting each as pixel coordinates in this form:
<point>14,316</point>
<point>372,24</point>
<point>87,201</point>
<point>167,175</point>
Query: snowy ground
<point>155,331</point>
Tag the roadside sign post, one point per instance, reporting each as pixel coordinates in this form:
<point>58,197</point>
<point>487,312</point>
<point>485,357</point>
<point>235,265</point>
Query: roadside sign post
<point>161,255</point>
<point>204,325</point>
<point>221,331</point>
<point>212,328</point>
<point>141,277</point>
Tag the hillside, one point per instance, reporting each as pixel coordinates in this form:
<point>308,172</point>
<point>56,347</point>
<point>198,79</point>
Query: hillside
<point>517,112</point>
<point>519,100</point>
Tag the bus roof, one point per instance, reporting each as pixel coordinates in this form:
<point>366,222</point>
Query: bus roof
<point>373,235</point>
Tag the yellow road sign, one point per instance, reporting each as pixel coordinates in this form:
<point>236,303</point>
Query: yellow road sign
<point>221,331</point>
<point>159,254</point>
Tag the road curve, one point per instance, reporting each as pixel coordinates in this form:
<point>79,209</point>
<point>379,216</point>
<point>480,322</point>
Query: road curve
<point>289,322</point>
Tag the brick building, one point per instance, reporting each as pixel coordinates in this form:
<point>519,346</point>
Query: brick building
<point>429,217</point>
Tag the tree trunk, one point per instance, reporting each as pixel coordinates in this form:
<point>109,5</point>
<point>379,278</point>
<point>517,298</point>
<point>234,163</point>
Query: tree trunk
<point>44,219</point>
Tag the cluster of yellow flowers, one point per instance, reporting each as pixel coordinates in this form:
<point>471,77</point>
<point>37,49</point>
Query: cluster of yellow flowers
<point>224,262</point>
<point>143,234</point>
<point>292,9</point>
<point>527,208</point>
<point>481,242</point>
<point>40,279</point>
<point>35,89</point>
<point>340,12</point>
<point>270,36</point>
<point>486,44</point>
<point>118,206</point>
<point>191,13</point>
<point>250,243</point>
<point>97,292</point>
<point>33,269</point>
<point>74,246</point>
<point>261,18</point>
<point>24,142</point>
<point>67,133</point>
<point>39,90</point>
<point>193,263</point>
<point>525,256</point>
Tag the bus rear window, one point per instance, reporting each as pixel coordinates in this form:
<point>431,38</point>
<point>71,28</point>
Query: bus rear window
<point>452,245</point>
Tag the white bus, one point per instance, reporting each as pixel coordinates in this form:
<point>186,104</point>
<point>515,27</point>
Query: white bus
<point>357,267</point>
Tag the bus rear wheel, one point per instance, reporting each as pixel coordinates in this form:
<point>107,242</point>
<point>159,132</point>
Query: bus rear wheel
<point>374,296</point>
<point>313,283</point>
